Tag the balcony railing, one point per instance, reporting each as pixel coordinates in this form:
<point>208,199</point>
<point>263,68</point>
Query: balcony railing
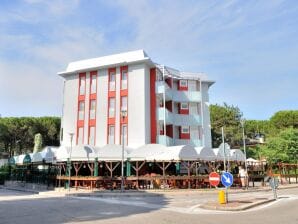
<point>162,112</point>
<point>162,87</point>
<point>186,96</point>
<point>164,140</point>
<point>178,119</point>
<point>187,120</point>
<point>192,142</point>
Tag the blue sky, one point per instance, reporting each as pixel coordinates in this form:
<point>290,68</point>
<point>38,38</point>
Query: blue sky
<point>250,48</point>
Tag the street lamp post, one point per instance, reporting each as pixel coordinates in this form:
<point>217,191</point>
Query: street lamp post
<point>123,115</point>
<point>242,122</point>
<point>69,166</point>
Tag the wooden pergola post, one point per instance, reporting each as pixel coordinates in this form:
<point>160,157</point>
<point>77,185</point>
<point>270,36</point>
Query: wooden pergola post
<point>163,168</point>
<point>137,169</point>
<point>77,166</point>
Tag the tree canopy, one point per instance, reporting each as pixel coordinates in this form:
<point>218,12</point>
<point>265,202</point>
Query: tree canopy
<point>17,134</point>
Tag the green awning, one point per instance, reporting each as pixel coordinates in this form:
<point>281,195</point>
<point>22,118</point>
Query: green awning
<point>12,161</point>
<point>27,159</point>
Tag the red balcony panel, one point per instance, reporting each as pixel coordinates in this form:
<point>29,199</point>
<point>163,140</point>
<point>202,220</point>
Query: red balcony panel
<point>80,123</point>
<point>93,96</point>
<point>111,120</point>
<point>123,92</point>
<point>81,97</point>
<point>92,122</point>
<point>112,94</point>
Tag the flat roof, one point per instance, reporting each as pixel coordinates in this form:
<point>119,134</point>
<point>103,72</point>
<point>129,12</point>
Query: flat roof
<point>105,61</point>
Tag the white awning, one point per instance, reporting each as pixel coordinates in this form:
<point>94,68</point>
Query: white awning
<point>147,152</point>
<point>237,155</point>
<point>205,154</point>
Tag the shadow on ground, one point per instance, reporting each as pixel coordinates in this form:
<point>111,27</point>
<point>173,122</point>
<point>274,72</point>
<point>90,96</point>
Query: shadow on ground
<point>16,207</point>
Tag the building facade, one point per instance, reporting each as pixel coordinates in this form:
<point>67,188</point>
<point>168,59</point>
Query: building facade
<point>129,94</point>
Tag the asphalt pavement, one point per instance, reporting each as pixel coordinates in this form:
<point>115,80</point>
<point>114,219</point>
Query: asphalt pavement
<point>148,207</point>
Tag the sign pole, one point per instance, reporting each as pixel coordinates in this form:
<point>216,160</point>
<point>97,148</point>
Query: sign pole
<point>224,157</point>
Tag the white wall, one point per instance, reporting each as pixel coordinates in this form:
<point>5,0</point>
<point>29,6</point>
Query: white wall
<point>206,114</point>
<point>70,109</point>
<point>138,105</point>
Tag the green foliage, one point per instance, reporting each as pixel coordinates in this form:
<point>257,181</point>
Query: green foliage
<point>283,148</point>
<point>285,119</point>
<point>17,134</point>
<point>228,117</point>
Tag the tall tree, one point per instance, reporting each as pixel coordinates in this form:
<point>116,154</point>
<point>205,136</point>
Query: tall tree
<point>228,117</point>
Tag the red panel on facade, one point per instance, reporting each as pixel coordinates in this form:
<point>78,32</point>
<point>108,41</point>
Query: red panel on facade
<point>170,130</point>
<point>183,135</point>
<point>81,123</point>
<point>124,121</point>
<point>169,105</point>
<point>153,105</point>
<point>182,88</point>
<point>81,97</point>
<point>112,94</point>
<point>92,122</point>
<point>93,96</point>
<point>123,92</point>
<point>183,111</point>
<point>111,120</point>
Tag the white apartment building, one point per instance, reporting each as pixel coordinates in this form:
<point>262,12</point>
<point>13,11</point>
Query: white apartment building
<point>128,93</point>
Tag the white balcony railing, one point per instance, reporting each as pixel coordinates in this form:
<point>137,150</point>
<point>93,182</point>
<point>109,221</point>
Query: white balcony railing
<point>186,96</point>
<point>162,112</point>
<point>164,140</point>
<point>178,119</point>
<point>187,119</point>
<point>192,142</point>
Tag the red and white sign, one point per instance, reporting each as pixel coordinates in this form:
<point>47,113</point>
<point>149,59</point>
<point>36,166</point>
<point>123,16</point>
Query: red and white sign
<point>214,179</point>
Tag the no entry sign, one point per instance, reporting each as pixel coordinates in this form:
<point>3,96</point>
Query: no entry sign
<point>214,179</point>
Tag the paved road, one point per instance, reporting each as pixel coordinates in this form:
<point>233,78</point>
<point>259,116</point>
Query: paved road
<point>17,207</point>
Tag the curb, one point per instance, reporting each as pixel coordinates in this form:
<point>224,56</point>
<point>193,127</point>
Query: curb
<point>239,208</point>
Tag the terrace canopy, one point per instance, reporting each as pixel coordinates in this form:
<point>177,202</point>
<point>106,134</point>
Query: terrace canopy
<point>205,154</point>
<point>147,152</point>
<point>177,153</point>
<point>237,155</point>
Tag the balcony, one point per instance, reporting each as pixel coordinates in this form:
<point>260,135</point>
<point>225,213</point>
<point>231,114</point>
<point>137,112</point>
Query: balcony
<point>186,96</point>
<point>162,87</point>
<point>187,120</point>
<point>162,112</point>
<point>192,142</point>
<point>164,140</point>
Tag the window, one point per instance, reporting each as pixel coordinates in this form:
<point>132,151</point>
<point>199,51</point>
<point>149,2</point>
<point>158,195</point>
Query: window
<point>112,81</point>
<point>81,110</point>
<point>124,103</point>
<point>82,85</point>
<point>92,135</point>
<point>183,83</point>
<point>111,107</point>
<point>80,135</point>
<point>124,132</point>
<point>93,84</point>
<point>185,129</point>
<point>184,106</point>
<point>92,109</point>
<point>124,79</point>
<point>111,134</point>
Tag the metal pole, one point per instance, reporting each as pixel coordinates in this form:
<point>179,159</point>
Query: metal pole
<point>69,167</point>
<point>224,148</point>
<point>122,161</point>
<point>244,149</point>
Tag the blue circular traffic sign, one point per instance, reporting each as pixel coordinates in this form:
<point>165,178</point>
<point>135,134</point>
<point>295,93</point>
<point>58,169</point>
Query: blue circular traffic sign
<point>227,179</point>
